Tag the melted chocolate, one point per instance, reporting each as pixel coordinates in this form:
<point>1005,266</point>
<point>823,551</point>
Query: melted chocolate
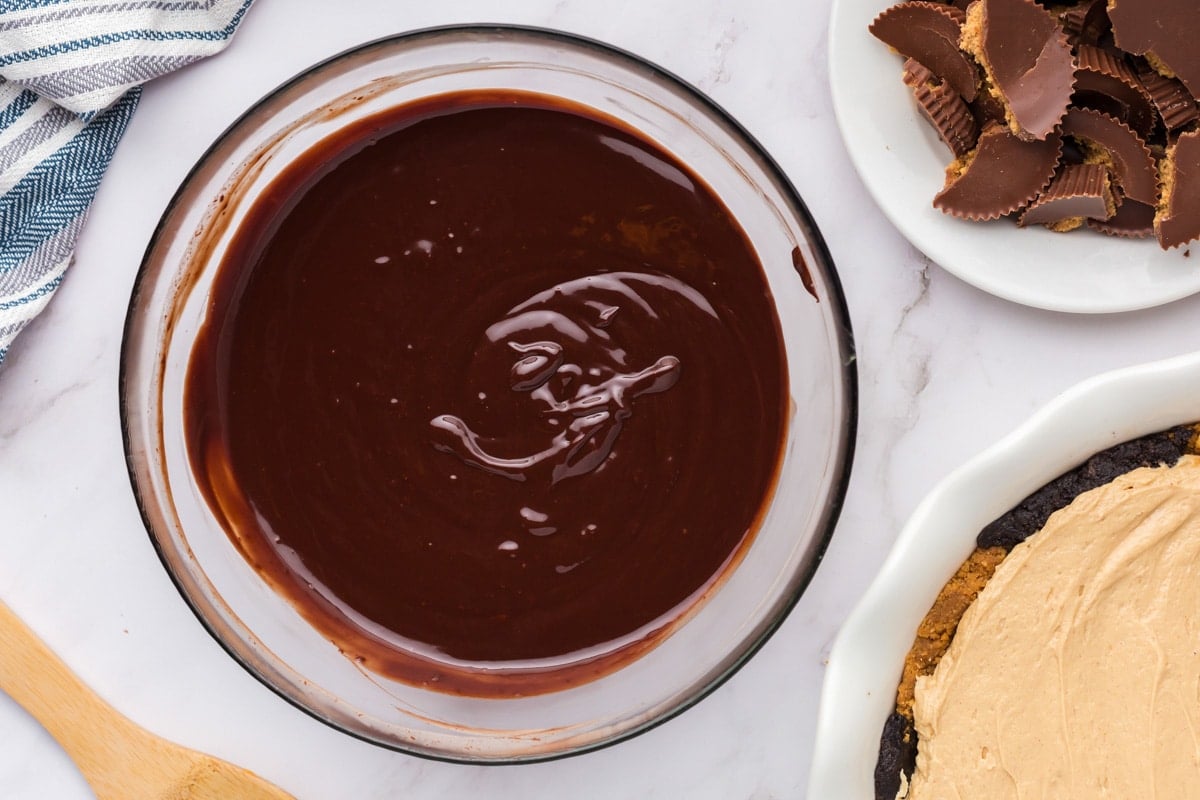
<point>489,385</point>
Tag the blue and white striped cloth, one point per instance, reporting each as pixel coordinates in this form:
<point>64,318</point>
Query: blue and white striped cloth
<point>70,72</point>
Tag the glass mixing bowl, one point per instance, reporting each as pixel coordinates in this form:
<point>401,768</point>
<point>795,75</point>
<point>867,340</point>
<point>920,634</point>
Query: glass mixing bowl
<point>264,632</point>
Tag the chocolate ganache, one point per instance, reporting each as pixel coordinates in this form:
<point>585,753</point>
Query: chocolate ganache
<point>491,389</point>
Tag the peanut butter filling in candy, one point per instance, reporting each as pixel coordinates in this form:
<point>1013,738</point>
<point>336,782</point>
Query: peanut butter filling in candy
<point>929,33</point>
<point>999,176</point>
<point>1165,32</point>
<point>943,108</point>
<point>1078,192</point>
<point>1108,141</point>
<point>1178,219</point>
<point>1026,60</point>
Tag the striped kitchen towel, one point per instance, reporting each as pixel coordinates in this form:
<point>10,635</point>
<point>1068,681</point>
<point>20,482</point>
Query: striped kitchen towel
<point>69,77</point>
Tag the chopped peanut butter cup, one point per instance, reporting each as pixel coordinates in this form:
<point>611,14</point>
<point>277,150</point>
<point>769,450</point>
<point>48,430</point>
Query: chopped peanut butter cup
<point>999,176</point>
<point>1171,98</point>
<point>929,32</point>
<point>1104,81</point>
<point>1026,60</point>
<point>1178,218</point>
<point>988,108</point>
<point>1110,87</point>
<point>1165,31</point>
<point>1085,22</point>
<point>942,107</point>
<point>1133,220</point>
<point>1107,140</point>
<point>1078,192</point>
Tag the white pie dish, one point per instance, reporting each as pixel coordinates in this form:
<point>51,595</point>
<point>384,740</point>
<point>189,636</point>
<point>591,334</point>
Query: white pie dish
<point>865,663</point>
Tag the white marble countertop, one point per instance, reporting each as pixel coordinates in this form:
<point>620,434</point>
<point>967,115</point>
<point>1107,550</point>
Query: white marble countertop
<point>944,371</point>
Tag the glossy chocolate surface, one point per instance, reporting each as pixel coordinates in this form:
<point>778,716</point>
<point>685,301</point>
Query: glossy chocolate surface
<point>1078,192</point>
<point>1105,82</point>
<point>1133,164</point>
<point>1178,218</point>
<point>1004,174</point>
<point>1164,30</point>
<point>943,108</point>
<point>489,385</point>
<point>929,33</point>
<point>1028,58</point>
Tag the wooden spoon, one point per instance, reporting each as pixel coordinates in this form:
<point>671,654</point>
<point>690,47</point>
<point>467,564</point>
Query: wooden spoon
<point>119,759</point>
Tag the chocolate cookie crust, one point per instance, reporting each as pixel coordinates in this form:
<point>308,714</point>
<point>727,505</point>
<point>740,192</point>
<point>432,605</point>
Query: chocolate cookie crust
<point>1030,514</point>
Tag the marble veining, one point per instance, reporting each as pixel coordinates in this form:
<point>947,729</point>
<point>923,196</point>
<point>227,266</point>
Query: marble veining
<point>944,371</point>
<point>720,69</point>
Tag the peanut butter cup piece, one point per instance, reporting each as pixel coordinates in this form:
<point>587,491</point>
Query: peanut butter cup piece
<point>1026,60</point>
<point>1133,220</point>
<point>999,176</point>
<point>988,108</point>
<point>1085,22</point>
<point>1078,192</point>
<point>942,107</point>
<point>1174,102</point>
<point>929,32</point>
<point>1178,218</point>
<point>1165,32</point>
<point>1105,82</point>
<point>1107,140</point>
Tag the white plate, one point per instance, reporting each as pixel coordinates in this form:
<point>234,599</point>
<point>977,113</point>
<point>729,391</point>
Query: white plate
<point>902,162</point>
<point>865,664</point>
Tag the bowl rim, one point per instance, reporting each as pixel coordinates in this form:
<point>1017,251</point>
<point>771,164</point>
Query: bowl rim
<point>1144,398</point>
<point>845,438</point>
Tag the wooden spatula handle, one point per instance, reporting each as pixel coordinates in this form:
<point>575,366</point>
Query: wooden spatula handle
<point>36,678</point>
<point>120,760</point>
